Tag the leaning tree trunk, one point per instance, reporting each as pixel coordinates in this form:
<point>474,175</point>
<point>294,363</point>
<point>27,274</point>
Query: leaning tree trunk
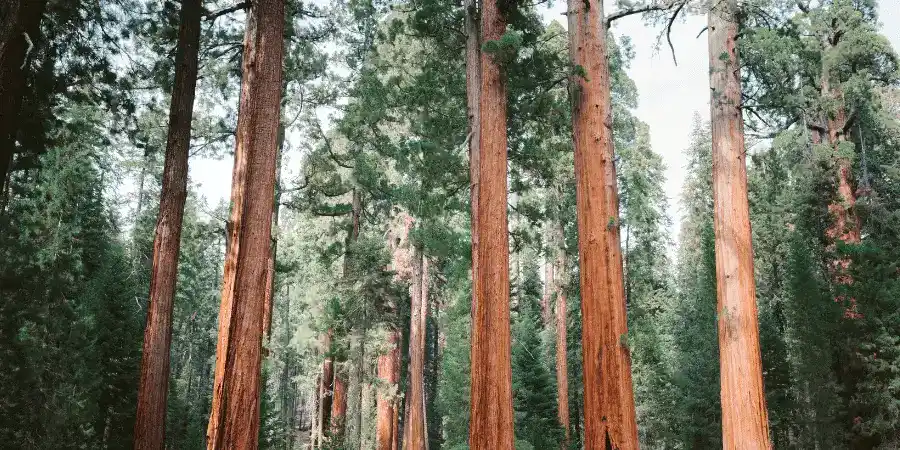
<point>149,429</point>
<point>491,370</point>
<point>19,25</point>
<point>609,414</point>
<point>415,433</point>
<point>234,418</point>
<point>744,419</point>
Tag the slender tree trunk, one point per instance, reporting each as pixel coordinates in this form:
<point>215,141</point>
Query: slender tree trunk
<point>562,358</point>
<point>609,414</point>
<point>273,254</point>
<point>389,376</point>
<point>358,385</point>
<point>415,433</point>
<point>234,418</point>
<point>149,429</point>
<point>491,396</point>
<point>745,423</point>
<point>549,276</point>
<point>20,19</point>
<point>473,96</point>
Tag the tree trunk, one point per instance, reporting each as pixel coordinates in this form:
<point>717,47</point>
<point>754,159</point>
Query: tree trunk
<point>414,433</point>
<point>234,418</point>
<point>491,396</point>
<point>562,358</point>
<point>273,254</point>
<point>326,383</point>
<point>744,418</point>
<point>357,385</point>
<point>473,95</point>
<point>389,376</point>
<point>609,414</point>
<point>149,429</point>
<point>339,403</point>
<point>19,19</point>
<point>549,276</point>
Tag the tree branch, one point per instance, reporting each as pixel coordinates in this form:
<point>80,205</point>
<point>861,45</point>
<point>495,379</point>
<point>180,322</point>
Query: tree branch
<point>669,30</point>
<point>211,16</point>
<point>630,12</point>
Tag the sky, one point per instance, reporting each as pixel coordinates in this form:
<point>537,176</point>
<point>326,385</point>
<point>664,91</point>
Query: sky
<point>669,94</point>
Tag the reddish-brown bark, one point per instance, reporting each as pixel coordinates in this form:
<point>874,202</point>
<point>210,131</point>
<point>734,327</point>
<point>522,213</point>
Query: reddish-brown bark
<point>339,403</point>
<point>415,433</point>
<point>744,418</point>
<point>609,414</point>
<point>491,396</point>
<point>149,429</point>
<point>386,403</point>
<point>234,417</point>
<point>19,20</point>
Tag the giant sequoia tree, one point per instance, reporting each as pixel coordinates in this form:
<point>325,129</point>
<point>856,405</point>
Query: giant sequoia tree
<point>608,397</point>
<point>745,422</point>
<point>234,420</point>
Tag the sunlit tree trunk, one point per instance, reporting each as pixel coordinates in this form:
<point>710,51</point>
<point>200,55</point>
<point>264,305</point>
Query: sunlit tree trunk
<point>491,372</point>
<point>609,414</point>
<point>744,419</point>
<point>339,403</point>
<point>149,429</point>
<point>234,417</point>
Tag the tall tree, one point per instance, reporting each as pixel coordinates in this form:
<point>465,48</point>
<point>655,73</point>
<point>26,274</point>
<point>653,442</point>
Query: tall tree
<point>234,419</point>
<point>745,421</point>
<point>491,424</point>
<point>149,430</point>
<point>609,414</point>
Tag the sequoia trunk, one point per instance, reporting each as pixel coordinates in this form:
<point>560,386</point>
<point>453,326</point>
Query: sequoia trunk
<point>389,376</point>
<point>414,433</point>
<point>491,370</point>
<point>744,419</point>
<point>234,418</point>
<point>149,429</point>
<point>609,414</point>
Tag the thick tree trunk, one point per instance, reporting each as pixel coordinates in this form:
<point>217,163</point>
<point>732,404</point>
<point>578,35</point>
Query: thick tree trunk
<point>149,429</point>
<point>562,357</point>
<point>234,418</point>
<point>609,414</point>
<point>415,433</point>
<point>388,375</point>
<point>745,423</point>
<point>491,396</point>
<point>473,104</point>
<point>19,19</point>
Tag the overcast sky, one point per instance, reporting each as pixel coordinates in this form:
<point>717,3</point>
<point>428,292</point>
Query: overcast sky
<point>669,94</point>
